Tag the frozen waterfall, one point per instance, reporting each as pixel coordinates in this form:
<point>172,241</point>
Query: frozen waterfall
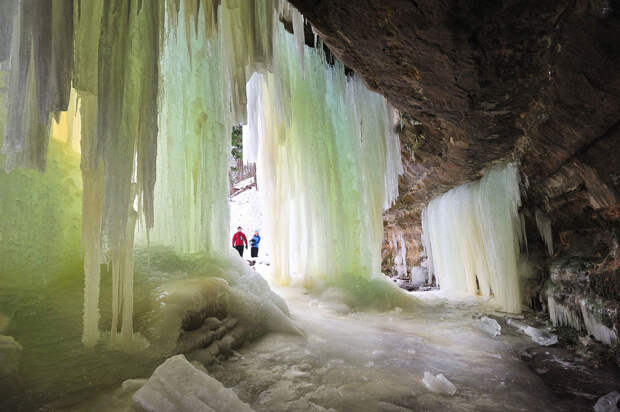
<point>328,162</point>
<point>472,237</point>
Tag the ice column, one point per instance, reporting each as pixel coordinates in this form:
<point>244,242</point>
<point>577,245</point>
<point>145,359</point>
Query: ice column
<point>472,237</point>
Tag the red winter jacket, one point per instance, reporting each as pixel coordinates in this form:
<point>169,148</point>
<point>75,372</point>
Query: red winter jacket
<point>239,239</point>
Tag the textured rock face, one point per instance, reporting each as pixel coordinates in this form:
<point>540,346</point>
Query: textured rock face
<point>484,82</point>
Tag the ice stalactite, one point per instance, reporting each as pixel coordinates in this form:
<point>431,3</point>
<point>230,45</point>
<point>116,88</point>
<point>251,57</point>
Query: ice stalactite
<point>543,223</point>
<point>328,163</point>
<point>561,315</point>
<point>399,248</point>
<point>39,58</point>
<point>472,237</point>
<point>594,325</point>
<point>116,77</point>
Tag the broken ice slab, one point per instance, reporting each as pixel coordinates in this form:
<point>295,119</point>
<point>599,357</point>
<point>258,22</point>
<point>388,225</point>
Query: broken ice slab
<point>488,325</point>
<point>438,384</point>
<point>540,336</point>
<point>179,386</point>
<point>608,403</point>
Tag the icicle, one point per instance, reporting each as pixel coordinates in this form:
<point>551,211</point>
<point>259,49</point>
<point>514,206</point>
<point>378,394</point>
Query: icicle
<point>400,254</point>
<point>595,327</point>
<point>8,8</point>
<point>299,31</point>
<point>563,316</point>
<point>543,223</point>
<point>119,128</point>
<point>472,236</point>
<point>92,212</point>
<point>88,16</point>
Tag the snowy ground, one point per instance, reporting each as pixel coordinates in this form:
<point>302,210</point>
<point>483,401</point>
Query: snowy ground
<point>246,210</point>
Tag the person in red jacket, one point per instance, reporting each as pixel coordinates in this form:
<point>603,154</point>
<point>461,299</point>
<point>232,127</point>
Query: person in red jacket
<point>238,240</point>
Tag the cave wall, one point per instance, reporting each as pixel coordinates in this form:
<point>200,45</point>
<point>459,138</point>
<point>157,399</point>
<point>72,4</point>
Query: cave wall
<point>481,82</point>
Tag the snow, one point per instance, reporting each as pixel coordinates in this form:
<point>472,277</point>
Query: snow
<point>178,386</point>
<point>438,384</point>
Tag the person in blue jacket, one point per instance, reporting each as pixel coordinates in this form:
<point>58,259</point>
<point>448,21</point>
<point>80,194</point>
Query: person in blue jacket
<point>254,243</point>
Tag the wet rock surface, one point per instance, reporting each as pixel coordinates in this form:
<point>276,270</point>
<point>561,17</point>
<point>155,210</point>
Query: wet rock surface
<point>570,375</point>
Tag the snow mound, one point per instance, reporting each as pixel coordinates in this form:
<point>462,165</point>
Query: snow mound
<point>438,384</point>
<point>178,386</point>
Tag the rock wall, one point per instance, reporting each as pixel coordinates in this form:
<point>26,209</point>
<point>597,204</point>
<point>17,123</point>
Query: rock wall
<point>490,81</point>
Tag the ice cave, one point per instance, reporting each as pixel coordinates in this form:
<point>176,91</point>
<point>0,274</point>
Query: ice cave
<point>430,189</point>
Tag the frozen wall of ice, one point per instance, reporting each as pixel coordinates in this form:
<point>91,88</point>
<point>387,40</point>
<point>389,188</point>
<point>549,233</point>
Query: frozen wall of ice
<point>328,164</point>
<point>472,237</point>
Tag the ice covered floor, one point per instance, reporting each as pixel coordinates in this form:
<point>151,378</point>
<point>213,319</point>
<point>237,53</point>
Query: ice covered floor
<point>363,361</point>
<point>376,362</point>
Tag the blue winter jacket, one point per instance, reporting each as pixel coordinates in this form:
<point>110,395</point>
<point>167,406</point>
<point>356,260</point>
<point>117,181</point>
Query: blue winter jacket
<point>255,241</point>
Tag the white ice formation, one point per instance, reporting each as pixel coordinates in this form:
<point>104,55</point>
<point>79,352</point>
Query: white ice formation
<point>585,318</point>
<point>438,384</point>
<point>178,386</point>
<point>472,237</point>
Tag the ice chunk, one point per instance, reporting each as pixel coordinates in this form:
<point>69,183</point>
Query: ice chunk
<point>608,403</point>
<point>540,336</point>
<point>10,354</point>
<point>488,326</point>
<point>178,386</point>
<point>438,384</point>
